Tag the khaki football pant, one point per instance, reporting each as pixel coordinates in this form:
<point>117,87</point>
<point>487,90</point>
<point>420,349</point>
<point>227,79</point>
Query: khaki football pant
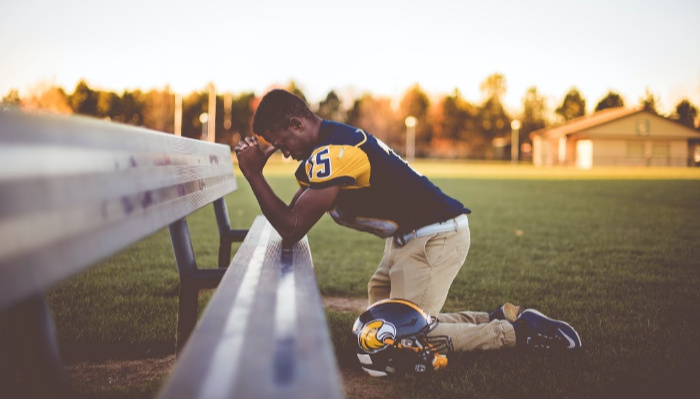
<point>422,271</point>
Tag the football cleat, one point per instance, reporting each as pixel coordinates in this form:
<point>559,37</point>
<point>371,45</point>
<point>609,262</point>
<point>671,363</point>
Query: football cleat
<point>508,311</point>
<point>535,330</point>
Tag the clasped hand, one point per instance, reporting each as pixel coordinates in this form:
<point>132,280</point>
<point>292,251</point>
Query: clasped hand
<point>251,157</point>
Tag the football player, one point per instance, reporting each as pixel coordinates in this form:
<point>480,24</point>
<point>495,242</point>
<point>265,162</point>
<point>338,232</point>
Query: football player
<point>363,184</point>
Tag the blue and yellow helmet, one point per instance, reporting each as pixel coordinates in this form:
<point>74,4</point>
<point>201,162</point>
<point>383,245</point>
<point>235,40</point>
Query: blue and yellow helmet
<point>393,338</point>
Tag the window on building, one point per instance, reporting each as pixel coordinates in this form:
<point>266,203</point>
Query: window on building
<point>660,149</point>
<point>635,149</point>
<point>643,127</point>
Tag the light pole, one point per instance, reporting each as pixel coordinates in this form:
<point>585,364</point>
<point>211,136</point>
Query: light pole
<point>514,140</point>
<point>211,127</point>
<point>411,122</point>
<point>204,119</point>
<point>177,124</point>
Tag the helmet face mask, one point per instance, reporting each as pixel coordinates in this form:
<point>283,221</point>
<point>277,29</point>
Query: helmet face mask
<point>392,336</point>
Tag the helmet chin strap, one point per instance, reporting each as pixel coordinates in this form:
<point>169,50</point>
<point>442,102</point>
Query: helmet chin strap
<point>439,360</point>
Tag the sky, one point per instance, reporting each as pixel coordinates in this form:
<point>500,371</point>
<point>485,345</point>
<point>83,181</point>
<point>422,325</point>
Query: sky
<point>352,47</point>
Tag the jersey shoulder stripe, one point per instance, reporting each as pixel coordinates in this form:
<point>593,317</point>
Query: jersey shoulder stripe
<point>339,160</point>
<point>343,165</point>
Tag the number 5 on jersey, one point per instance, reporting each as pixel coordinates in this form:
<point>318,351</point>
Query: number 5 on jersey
<point>319,165</point>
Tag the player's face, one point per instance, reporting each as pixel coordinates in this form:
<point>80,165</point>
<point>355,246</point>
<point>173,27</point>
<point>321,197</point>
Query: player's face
<point>291,141</point>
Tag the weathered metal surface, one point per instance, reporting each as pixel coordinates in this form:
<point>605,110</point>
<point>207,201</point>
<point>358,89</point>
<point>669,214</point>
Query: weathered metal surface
<point>75,190</point>
<point>264,332</point>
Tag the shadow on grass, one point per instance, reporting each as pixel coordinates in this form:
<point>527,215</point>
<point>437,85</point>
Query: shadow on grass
<point>592,372</point>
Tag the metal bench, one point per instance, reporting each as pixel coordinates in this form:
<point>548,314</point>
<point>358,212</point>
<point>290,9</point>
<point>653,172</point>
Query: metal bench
<point>75,190</point>
<point>260,335</point>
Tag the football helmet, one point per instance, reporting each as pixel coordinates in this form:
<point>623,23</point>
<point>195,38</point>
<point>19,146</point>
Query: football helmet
<point>392,336</point>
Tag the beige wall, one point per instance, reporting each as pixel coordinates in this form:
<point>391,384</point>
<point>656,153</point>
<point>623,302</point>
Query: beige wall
<point>640,152</point>
<point>544,151</point>
<point>639,125</point>
<point>640,139</point>
<point>611,152</point>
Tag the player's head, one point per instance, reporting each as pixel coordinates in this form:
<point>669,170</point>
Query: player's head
<point>392,338</point>
<point>285,121</point>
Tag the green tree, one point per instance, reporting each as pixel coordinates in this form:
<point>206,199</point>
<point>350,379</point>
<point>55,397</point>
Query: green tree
<point>132,106</point>
<point>415,102</point>
<point>494,86</point>
<point>493,120</point>
<point>376,116</point>
<point>109,105</point>
<point>295,89</point>
<point>611,100</point>
<point>193,106</point>
<point>456,118</point>
<point>686,113</point>
<point>12,98</point>
<point>242,111</point>
<point>84,100</point>
<point>494,123</point>
<point>354,113</point>
<point>456,130</point>
<point>573,105</point>
<point>47,97</point>
<point>649,101</point>
<point>330,107</point>
<point>534,113</point>
<point>159,110</point>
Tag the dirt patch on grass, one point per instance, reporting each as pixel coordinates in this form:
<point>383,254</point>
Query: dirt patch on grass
<point>123,378</point>
<point>358,385</point>
<point>348,304</point>
<point>116,377</point>
<point>107,378</point>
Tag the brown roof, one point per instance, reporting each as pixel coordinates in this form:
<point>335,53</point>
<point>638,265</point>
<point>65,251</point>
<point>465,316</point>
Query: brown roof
<point>587,121</point>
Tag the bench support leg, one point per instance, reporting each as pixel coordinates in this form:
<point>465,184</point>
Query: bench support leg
<point>187,268</point>
<point>191,278</point>
<point>226,235</point>
<point>187,313</point>
<point>30,352</point>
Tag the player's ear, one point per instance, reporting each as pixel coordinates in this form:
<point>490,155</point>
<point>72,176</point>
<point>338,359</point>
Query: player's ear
<point>296,124</point>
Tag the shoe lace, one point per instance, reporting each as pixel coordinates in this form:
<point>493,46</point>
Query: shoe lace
<point>546,342</point>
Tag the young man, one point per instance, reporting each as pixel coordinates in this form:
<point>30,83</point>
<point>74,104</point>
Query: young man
<point>364,185</point>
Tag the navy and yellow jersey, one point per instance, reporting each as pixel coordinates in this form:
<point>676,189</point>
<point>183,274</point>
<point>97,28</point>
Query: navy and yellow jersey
<point>380,193</point>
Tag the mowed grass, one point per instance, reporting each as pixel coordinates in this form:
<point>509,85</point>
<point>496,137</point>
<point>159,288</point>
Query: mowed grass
<point>614,252</point>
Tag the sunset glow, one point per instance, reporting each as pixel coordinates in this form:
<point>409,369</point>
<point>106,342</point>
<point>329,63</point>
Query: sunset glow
<point>382,47</point>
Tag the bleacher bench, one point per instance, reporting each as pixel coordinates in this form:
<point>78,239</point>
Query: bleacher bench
<point>75,190</point>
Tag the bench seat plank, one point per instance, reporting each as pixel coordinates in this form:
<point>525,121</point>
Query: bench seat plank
<point>76,190</point>
<point>263,334</point>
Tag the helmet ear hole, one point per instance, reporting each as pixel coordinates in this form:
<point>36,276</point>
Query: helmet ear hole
<point>392,338</point>
<point>433,323</point>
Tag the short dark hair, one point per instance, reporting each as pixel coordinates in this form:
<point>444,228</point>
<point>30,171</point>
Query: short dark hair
<point>275,110</point>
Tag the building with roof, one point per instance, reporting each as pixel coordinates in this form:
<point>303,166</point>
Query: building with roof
<point>617,136</point>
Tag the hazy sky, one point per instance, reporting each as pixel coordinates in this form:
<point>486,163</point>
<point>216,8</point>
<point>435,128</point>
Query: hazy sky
<point>353,46</point>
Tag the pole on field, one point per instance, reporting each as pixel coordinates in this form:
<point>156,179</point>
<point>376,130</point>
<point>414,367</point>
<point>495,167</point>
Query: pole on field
<point>177,125</point>
<point>228,103</point>
<point>204,119</point>
<point>411,122</point>
<point>211,133</point>
<point>514,140</point>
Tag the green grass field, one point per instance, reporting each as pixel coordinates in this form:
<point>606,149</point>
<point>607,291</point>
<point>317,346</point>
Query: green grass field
<point>616,252</point>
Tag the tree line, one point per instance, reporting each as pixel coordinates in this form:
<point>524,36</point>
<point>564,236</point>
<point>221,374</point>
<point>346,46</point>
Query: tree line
<point>448,127</point>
